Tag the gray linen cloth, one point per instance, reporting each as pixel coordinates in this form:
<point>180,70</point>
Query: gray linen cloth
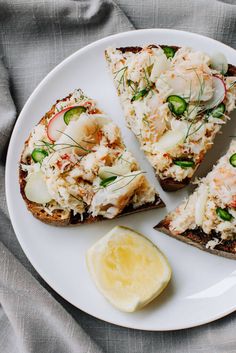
<point>35,35</point>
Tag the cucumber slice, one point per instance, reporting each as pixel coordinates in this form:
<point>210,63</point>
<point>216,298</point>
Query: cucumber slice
<point>224,214</point>
<point>169,52</point>
<point>184,164</point>
<point>177,105</point>
<point>218,111</point>
<point>73,113</point>
<point>38,155</point>
<point>232,160</point>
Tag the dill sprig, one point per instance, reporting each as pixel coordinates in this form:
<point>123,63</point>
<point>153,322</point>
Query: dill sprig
<point>145,90</point>
<point>79,198</point>
<point>128,181</point>
<point>121,79</point>
<point>232,84</point>
<point>114,181</point>
<point>191,132</point>
<point>123,159</point>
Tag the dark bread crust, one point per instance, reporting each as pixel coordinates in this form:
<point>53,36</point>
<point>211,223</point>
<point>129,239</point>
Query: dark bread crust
<point>196,237</point>
<point>170,184</point>
<point>136,50</point>
<point>58,218</point>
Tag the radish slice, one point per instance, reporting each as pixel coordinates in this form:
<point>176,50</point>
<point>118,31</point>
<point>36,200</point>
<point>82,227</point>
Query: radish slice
<point>56,124</point>
<point>218,95</point>
<point>201,204</point>
<point>219,62</point>
<point>36,189</point>
<point>170,139</point>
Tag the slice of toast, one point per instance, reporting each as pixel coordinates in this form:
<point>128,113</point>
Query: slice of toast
<point>172,132</point>
<point>71,170</point>
<point>207,219</point>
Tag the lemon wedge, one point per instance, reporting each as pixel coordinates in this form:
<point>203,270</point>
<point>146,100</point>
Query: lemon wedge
<point>128,269</point>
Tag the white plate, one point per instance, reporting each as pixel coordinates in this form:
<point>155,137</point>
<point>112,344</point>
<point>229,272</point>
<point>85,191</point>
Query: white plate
<point>203,287</point>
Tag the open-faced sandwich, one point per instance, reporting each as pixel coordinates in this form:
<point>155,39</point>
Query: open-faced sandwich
<point>175,101</point>
<point>75,167</point>
<point>207,219</point>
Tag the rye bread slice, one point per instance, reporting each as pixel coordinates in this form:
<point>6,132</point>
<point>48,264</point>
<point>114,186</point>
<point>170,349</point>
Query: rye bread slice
<point>196,237</point>
<point>58,217</point>
<point>170,184</point>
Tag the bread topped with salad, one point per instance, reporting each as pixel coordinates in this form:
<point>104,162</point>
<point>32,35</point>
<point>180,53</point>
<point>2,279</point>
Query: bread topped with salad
<point>175,101</point>
<point>75,167</point>
<point>207,219</point>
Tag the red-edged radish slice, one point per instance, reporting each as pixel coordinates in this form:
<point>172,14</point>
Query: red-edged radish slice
<point>218,95</point>
<point>219,62</point>
<point>57,124</point>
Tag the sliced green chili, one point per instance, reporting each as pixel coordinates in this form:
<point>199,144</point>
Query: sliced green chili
<point>232,160</point>
<point>140,94</point>
<point>218,111</point>
<point>73,113</point>
<point>39,154</point>
<point>169,52</point>
<point>184,164</point>
<point>224,214</point>
<point>177,105</point>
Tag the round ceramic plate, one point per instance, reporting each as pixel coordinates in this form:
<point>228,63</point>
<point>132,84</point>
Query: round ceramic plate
<point>203,286</point>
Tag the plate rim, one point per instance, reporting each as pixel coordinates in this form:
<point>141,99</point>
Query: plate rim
<point>44,276</point>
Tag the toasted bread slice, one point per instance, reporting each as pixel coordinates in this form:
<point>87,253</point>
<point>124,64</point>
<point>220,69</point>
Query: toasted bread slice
<point>207,219</point>
<point>173,130</point>
<point>72,171</point>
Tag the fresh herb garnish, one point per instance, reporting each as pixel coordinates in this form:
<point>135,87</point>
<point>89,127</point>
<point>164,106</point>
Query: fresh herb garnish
<point>149,69</point>
<point>38,155</point>
<point>78,198</point>
<point>144,91</point>
<point>113,180</point>
<point>140,94</point>
<point>121,79</point>
<point>232,160</point>
<point>169,52</point>
<point>72,113</point>
<point>218,111</point>
<point>184,163</point>
<point>177,104</point>
<point>107,181</point>
<point>224,214</point>
<point>232,84</point>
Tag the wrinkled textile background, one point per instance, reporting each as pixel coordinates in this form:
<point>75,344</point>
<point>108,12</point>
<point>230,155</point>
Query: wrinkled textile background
<point>35,35</point>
